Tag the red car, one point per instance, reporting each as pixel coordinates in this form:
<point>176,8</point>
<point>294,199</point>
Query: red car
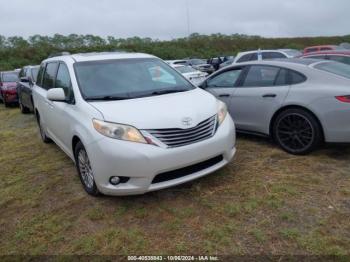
<point>8,87</point>
<point>318,48</point>
<point>342,56</point>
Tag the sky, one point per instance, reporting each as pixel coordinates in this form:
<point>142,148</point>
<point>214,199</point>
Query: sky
<point>167,19</point>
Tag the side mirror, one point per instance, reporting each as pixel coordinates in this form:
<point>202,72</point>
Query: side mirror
<point>56,94</point>
<point>203,85</point>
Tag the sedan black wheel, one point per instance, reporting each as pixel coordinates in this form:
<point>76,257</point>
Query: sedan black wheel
<point>297,131</point>
<point>85,172</point>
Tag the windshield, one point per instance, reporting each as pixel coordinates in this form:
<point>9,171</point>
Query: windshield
<point>185,69</point>
<point>198,62</point>
<point>9,77</point>
<point>35,71</point>
<point>335,68</point>
<point>128,78</point>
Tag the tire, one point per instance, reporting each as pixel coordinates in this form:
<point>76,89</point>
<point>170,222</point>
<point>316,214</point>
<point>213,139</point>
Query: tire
<point>42,132</point>
<point>85,172</point>
<point>297,131</point>
<point>24,110</point>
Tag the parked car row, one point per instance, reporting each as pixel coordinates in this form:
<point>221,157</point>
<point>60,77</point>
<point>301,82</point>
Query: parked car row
<point>133,124</point>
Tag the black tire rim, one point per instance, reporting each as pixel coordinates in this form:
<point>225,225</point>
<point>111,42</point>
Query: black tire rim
<point>85,169</point>
<point>295,132</point>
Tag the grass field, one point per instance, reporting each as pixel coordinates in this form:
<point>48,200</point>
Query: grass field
<point>265,201</point>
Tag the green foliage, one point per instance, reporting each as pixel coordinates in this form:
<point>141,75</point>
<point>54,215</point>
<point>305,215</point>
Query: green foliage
<point>16,52</point>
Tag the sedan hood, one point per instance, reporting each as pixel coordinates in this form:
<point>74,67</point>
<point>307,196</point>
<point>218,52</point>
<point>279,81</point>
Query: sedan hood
<point>158,112</point>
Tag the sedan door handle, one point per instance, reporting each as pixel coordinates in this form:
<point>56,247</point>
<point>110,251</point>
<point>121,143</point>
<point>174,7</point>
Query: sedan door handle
<point>224,95</point>
<point>269,95</point>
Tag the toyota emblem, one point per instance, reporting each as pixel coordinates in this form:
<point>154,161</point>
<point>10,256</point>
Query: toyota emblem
<point>187,121</point>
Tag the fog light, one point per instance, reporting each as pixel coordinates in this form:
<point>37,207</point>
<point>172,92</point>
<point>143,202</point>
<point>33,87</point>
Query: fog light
<point>114,180</point>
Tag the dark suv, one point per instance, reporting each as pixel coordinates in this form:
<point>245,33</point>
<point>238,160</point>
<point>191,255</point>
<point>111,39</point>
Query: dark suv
<point>27,78</point>
<point>8,84</point>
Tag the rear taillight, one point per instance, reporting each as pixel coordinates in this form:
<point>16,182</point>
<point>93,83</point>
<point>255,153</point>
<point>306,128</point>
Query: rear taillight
<point>344,99</point>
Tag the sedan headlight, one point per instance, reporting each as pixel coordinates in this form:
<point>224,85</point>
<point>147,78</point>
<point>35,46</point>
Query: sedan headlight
<point>222,112</point>
<point>118,131</point>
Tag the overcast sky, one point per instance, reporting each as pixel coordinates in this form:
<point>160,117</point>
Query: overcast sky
<point>166,19</point>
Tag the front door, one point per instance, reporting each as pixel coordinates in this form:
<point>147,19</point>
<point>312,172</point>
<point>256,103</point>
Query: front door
<point>259,95</point>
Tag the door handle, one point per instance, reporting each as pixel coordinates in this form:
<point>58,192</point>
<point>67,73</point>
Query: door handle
<point>224,95</point>
<point>269,95</point>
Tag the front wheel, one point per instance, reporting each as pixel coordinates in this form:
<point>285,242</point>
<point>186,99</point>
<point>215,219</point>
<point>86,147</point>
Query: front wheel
<point>42,132</point>
<point>297,131</point>
<point>85,172</point>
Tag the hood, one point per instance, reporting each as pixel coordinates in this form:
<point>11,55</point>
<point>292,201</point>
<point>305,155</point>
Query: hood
<point>158,112</point>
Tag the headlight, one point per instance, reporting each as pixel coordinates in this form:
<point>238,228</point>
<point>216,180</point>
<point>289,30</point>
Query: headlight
<point>118,131</point>
<point>222,112</point>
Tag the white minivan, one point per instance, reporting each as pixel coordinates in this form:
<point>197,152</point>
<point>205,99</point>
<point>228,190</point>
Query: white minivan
<point>130,122</point>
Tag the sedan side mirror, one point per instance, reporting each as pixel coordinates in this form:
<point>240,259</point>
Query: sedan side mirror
<point>56,94</point>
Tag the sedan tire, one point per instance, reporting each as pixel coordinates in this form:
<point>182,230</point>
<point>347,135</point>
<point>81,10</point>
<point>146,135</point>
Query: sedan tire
<point>297,131</point>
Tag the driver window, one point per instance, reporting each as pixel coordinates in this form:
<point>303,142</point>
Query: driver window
<point>225,79</point>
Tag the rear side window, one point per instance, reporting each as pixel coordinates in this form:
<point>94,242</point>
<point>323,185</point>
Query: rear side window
<point>260,76</point>
<point>272,55</point>
<point>49,76</point>
<point>296,78</point>
<point>282,77</point>
<point>325,48</point>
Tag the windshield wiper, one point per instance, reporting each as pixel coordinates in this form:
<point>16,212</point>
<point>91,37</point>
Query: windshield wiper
<point>106,98</point>
<point>170,91</point>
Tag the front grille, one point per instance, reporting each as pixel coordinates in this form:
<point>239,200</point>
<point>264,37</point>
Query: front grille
<point>176,137</point>
<point>187,170</point>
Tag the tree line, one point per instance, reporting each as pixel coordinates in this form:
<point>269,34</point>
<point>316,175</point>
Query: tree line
<point>17,51</point>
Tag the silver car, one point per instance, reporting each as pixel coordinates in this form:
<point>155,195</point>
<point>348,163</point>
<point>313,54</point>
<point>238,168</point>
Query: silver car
<point>298,102</point>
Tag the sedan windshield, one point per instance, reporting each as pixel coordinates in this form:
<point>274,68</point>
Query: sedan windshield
<point>9,77</point>
<point>128,78</point>
<point>335,68</point>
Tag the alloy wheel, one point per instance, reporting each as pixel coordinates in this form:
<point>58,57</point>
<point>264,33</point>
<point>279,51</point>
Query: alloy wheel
<point>295,132</point>
<point>85,169</point>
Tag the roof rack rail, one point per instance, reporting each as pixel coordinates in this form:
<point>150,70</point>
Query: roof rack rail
<point>59,54</point>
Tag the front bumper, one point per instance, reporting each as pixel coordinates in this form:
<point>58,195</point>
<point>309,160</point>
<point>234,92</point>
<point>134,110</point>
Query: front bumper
<point>142,162</point>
